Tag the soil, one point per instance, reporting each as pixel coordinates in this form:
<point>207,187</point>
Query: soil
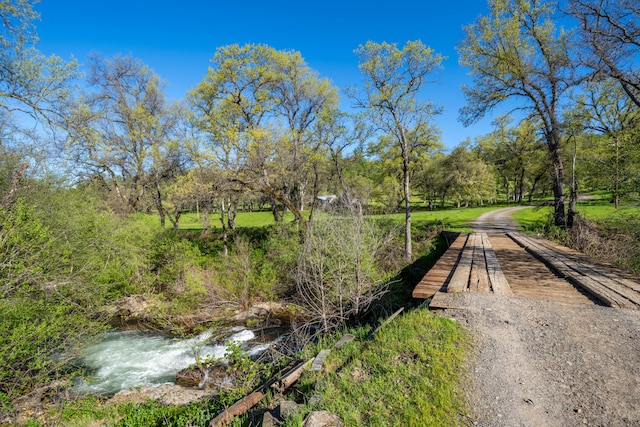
<point>548,363</point>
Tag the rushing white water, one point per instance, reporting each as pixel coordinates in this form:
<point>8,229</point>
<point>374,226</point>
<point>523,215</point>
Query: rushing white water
<point>123,360</point>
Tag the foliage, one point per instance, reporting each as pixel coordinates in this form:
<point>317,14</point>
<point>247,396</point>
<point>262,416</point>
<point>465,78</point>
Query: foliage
<point>29,82</point>
<point>393,80</point>
<point>515,52</point>
<point>610,37</point>
<point>124,135</point>
<point>420,353</point>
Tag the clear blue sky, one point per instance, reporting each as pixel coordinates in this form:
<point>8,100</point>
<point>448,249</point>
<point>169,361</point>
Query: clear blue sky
<point>178,39</point>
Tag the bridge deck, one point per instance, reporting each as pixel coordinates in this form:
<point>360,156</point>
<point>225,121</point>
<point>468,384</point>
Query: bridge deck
<point>525,266</point>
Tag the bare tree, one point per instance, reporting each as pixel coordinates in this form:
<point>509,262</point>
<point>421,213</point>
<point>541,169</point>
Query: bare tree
<point>338,275</point>
<point>610,36</point>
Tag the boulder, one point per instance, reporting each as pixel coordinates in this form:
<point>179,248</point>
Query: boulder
<point>322,419</point>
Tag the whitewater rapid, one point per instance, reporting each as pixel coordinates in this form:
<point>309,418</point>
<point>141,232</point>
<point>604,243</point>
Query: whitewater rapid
<point>125,359</point>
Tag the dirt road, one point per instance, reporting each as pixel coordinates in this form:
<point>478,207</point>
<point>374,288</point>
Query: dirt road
<point>544,363</point>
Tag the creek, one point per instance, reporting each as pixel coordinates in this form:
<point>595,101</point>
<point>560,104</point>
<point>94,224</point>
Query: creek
<point>125,359</point>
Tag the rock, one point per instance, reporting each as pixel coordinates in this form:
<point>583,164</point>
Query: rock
<point>167,394</point>
<point>269,420</point>
<point>287,408</point>
<point>275,313</point>
<point>322,419</point>
<point>315,400</point>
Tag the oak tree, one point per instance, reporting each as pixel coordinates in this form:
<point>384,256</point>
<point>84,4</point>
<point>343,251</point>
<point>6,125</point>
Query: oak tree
<point>516,53</point>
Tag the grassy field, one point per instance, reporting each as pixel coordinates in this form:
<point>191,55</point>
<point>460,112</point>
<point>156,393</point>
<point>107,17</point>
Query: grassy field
<point>409,374</point>
<point>450,219</point>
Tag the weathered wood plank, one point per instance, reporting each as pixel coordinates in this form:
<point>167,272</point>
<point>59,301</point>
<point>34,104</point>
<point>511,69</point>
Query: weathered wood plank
<point>345,339</point>
<point>479,279</point>
<point>437,277</point>
<point>317,363</point>
<point>498,281</point>
<point>559,263</point>
<point>584,268</point>
<point>460,278</point>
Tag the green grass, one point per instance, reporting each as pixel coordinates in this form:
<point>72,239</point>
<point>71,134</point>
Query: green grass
<point>410,374</point>
<point>191,221</point>
<point>449,219</point>
<point>599,210</point>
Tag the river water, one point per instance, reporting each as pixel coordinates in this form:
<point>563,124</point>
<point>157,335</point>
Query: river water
<point>125,359</point>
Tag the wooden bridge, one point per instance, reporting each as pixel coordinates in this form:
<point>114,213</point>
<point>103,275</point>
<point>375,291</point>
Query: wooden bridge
<point>527,266</point>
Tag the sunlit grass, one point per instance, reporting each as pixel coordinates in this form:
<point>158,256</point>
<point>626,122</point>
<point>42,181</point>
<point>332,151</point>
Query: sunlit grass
<point>193,221</point>
<point>409,375</point>
<point>449,219</point>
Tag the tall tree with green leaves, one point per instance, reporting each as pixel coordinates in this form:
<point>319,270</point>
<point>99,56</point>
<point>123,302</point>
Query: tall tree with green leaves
<point>517,53</point>
<point>30,82</point>
<point>603,107</point>
<point>393,80</point>
<point>257,108</point>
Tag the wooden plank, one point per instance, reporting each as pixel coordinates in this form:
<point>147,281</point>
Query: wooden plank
<point>460,279</point>
<point>499,283</point>
<point>581,275</point>
<point>317,363</point>
<point>437,277</point>
<point>554,260</point>
<point>389,319</point>
<point>345,339</point>
<point>479,278</point>
<point>586,270</point>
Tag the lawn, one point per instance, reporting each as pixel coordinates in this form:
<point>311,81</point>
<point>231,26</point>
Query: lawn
<point>450,218</point>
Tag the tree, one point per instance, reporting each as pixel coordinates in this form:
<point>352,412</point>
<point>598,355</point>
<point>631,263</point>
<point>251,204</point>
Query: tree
<point>516,53</point>
<point>257,107</point>
<point>393,79</point>
<point>517,155</point>
<point>123,134</point>
<point>29,82</point>
<point>610,36</point>
<point>469,179</point>
<point>603,107</point>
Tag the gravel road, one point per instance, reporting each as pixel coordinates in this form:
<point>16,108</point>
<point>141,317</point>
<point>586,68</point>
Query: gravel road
<point>540,363</point>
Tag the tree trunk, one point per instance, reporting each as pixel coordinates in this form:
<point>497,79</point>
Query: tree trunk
<point>408,250</point>
<point>521,186</point>
<point>573,194</point>
<point>558,180</point>
<point>225,238</point>
<point>10,198</point>
<point>157,197</point>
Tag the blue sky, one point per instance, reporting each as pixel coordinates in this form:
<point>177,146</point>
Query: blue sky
<point>178,39</point>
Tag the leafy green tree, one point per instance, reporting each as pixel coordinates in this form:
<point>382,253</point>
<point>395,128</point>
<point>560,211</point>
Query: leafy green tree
<point>517,155</point>
<point>30,82</point>
<point>257,108</point>
<point>393,79</point>
<point>468,178</point>
<point>516,52</point>
<point>603,107</point>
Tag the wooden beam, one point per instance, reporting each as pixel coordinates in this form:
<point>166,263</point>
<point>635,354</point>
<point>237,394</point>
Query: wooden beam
<point>460,279</point>
<point>499,283</point>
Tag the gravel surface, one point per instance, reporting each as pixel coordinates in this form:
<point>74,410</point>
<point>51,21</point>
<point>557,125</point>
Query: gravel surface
<point>541,363</point>
<point>547,364</point>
